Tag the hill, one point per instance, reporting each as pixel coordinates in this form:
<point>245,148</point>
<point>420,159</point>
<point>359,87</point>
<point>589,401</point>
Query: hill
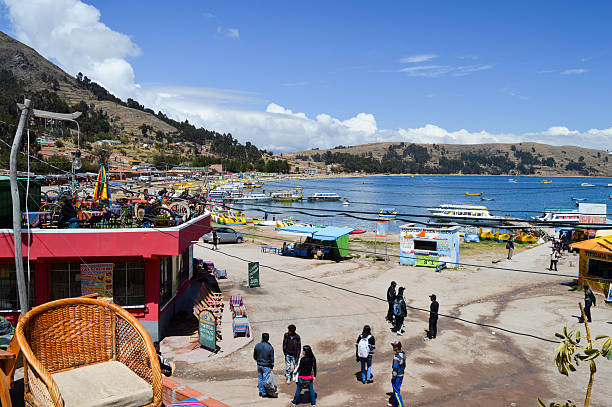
<point>144,135</point>
<point>494,159</point>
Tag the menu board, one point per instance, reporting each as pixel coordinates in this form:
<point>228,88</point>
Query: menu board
<point>97,278</point>
<point>207,330</point>
<point>254,274</point>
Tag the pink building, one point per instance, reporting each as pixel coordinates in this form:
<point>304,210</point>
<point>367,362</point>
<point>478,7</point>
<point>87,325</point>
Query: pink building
<point>151,268</point>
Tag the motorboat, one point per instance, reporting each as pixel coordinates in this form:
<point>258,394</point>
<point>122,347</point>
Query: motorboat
<point>579,199</point>
<point>487,199</point>
<point>286,196</point>
<point>346,203</point>
<point>558,216</point>
<point>473,193</point>
<point>465,213</point>
<point>250,198</point>
<point>324,196</point>
<point>586,184</point>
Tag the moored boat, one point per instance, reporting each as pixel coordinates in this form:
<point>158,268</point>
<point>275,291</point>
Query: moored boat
<point>579,199</point>
<point>546,181</point>
<point>586,184</point>
<point>473,193</point>
<point>557,215</point>
<point>324,196</point>
<point>465,213</point>
<point>487,199</point>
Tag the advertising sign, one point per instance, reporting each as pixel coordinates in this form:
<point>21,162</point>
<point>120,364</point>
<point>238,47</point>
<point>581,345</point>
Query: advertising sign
<point>97,278</point>
<point>592,213</point>
<point>381,228</point>
<point>426,261</point>
<point>207,330</point>
<point>254,274</point>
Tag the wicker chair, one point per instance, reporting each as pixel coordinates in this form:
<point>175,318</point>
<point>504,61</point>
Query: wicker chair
<point>74,337</point>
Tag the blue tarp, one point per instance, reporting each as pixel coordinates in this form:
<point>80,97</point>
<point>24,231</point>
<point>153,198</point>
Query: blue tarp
<point>326,233</point>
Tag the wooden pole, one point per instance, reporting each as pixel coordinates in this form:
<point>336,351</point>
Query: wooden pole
<point>21,283</point>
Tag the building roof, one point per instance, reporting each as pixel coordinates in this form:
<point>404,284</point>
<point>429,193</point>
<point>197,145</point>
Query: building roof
<point>599,244</point>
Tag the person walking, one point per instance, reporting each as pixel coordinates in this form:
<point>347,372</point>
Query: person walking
<point>307,375</point>
<point>397,376</point>
<point>554,259</point>
<point>391,299</point>
<point>399,311</point>
<point>364,350</point>
<point>215,239</point>
<point>291,348</point>
<point>589,299</point>
<point>510,247</point>
<point>433,318</point>
<point>264,355</point>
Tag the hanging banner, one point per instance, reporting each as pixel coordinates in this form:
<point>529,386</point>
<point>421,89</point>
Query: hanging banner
<point>207,330</point>
<point>97,278</point>
<point>381,228</point>
<point>254,274</point>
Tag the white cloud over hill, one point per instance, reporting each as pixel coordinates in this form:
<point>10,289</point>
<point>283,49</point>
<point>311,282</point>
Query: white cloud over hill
<point>71,33</point>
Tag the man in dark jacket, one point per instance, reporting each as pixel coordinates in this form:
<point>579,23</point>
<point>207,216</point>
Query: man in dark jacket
<point>400,311</point>
<point>291,348</point>
<point>390,300</point>
<point>68,215</point>
<point>589,299</point>
<point>264,355</point>
<point>433,318</point>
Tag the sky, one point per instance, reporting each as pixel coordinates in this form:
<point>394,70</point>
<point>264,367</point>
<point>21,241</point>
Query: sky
<point>288,76</point>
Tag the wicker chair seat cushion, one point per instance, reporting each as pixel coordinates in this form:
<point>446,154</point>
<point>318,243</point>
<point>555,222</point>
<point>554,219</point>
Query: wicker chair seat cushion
<point>106,384</point>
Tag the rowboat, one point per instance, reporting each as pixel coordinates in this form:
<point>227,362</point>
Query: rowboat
<point>546,182</point>
<point>346,203</point>
<point>586,184</point>
<point>473,193</point>
<point>511,180</point>
<point>357,232</point>
<point>487,199</point>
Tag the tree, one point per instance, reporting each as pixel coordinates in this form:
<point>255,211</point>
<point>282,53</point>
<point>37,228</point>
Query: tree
<point>570,351</point>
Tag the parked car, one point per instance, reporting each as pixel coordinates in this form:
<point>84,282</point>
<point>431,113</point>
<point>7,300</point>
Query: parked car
<point>226,235</point>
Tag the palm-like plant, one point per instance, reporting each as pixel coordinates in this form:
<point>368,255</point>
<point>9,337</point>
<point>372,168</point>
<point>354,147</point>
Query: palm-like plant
<point>570,353</point>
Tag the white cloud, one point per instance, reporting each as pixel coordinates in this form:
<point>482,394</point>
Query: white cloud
<point>228,32</point>
<point>435,71</point>
<point>418,58</point>
<point>578,71</point>
<point>70,32</point>
<point>209,15</point>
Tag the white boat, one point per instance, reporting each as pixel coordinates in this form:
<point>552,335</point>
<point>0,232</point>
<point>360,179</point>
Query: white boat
<point>586,184</point>
<point>558,216</point>
<point>465,213</point>
<point>609,185</point>
<point>346,203</point>
<point>324,196</point>
<point>253,198</point>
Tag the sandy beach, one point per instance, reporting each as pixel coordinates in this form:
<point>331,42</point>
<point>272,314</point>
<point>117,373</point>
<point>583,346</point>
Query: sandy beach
<point>467,365</point>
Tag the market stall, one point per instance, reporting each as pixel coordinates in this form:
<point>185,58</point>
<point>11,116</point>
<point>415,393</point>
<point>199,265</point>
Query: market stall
<point>429,246</point>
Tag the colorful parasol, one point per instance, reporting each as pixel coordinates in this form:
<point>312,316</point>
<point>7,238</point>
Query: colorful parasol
<point>101,191</point>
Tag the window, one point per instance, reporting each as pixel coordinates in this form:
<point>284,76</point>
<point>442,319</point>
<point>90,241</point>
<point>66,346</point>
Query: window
<point>9,297</point>
<point>129,283</point>
<point>165,270</point>
<point>64,280</point>
<point>599,268</point>
<point>425,245</point>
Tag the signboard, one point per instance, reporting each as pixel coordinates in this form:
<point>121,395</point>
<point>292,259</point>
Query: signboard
<point>609,293</point>
<point>592,213</point>
<point>426,261</point>
<point>97,278</point>
<point>254,274</point>
<point>381,228</point>
<point>207,330</point>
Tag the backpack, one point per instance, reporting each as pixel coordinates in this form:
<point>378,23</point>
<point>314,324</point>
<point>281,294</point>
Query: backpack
<point>363,347</point>
<point>397,310</point>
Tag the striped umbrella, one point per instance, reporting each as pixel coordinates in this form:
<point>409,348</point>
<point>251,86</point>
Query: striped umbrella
<point>101,191</point>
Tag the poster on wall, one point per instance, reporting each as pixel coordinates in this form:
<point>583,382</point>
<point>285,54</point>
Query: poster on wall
<point>97,278</point>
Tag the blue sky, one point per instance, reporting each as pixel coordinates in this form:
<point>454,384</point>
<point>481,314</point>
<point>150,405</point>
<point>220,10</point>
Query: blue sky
<point>373,70</point>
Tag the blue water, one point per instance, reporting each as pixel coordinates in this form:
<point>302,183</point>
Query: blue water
<point>527,197</point>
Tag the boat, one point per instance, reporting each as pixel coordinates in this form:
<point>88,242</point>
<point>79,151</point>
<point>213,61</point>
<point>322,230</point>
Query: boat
<point>364,182</point>
<point>346,203</point>
<point>253,198</point>
<point>487,199</point>
<point>609,185</point>
<point>357,232</point>
<point>324,196</point>
<point>512,180</point>
<point>586,184</point>
<point>546,182</point>
<point>525,238</point>
<point>473,193</point>
<point>557,215</point>
<point>579,199</point>
<point>465,213</point>
<point>286,196</point>
<point>387,213</point>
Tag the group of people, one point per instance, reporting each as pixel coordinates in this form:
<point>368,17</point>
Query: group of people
<point>397,311</point>
<point>300,365</point>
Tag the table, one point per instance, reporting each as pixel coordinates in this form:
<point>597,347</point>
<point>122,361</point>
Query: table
<point>36,218</point>
<point>86,216</point>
